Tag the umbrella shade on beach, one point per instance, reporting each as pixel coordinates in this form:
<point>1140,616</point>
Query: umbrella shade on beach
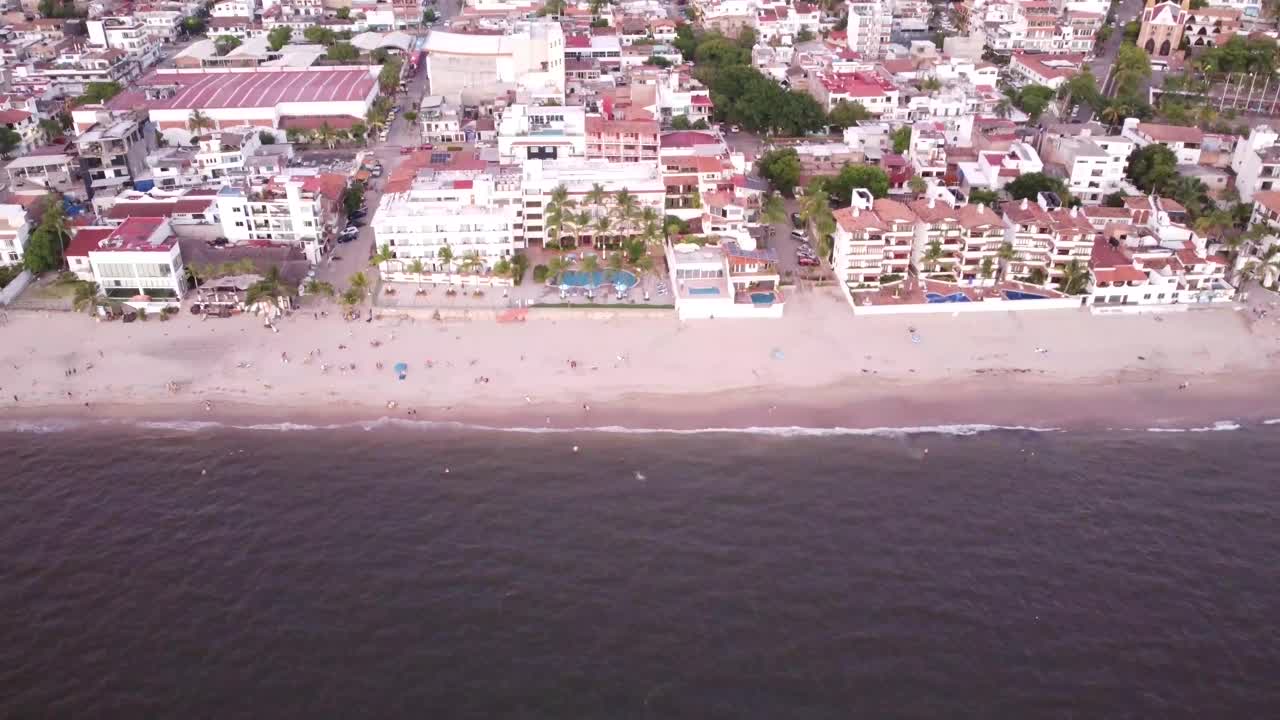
<point>401,368</point>
<point>564,287</point>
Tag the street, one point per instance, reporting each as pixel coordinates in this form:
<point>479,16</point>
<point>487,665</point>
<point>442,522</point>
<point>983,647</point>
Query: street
<point>1126,11</point>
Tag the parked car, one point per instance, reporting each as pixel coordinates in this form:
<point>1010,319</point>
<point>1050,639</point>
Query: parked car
<point>406,150</point>
<point>357,215</point>
<point>795,219</point>
<point>807,261</point>
<point>799,235</point>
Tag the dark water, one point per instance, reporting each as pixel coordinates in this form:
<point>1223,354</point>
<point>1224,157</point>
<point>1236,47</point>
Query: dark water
<point>343,573</point>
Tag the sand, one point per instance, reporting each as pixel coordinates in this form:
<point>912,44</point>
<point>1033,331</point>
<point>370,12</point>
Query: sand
<point>820,366</point>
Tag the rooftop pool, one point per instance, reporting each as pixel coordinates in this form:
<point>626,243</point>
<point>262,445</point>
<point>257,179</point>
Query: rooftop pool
<point>1020,295</point>
<point>956,297</point>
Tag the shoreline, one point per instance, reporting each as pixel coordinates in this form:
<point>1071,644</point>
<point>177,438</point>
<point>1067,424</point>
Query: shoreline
<point>816,368</point>
<point>990,403</point>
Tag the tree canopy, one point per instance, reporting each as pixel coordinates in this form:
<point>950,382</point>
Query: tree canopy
<point>840,188</point>
<point>279,37</point>
<point>343,52</point>
<point>1239,54</point>
<point>845,114</point>
<point>1033,99</point>
<point>901,139</point>
<point>781,168</point>
<point>1029,185</point>
<point>99,92</point>
<point>225,44</point>
<point>9,141</point>
<point>43,251</point>
<point>744,96</point>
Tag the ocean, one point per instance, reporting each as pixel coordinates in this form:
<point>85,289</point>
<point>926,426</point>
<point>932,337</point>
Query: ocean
<point>388,570</point>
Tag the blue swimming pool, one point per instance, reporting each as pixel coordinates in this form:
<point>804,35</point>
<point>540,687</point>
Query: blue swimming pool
<point>704,291</point>
<point>579,278</point>
<point>762,298</point>
<point>1019,295</point>
<point>956,297</point>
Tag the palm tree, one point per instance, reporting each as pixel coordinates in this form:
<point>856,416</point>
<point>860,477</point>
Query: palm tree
<point>1214,223</point>
<point>1075,277</point>
<point>446,257</point>
<point>375,120</point>
<point>382,259</point>
<point>326,135</point>
<point>772,208</point>
<point>931,84</point>
<point>471,263</point>
<point>590,264</point>
<point>198,121</point>
<point>616,262</point>
<point>602,228</point>
<point>581,223</point>
<point>597,195</point>
<point>1113,114</point>
<point>1004,108</point>
<point>350,298</point>
<point>643,266</point>
<point>987,268</point>
<point>417,268</point>
<point>1005,255</point>
<point>917,184</point>
<point>932,255</point>
<point>319,287</point>
<point>86,294</point>
<point>359,284</point>
<point>1038,276</point>
<point>1267,267</point>
<point>556,213</point>
<point>555,267</point>
<point>626,204</point>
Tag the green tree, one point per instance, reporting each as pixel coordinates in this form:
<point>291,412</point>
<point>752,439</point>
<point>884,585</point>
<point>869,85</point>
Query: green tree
<point>46,244</point>
<point>1131,67</point>
<point>343,52</point>
<point>1033,99</point>
<point>746,38</point>
<point>226,43</point>
<point>279,37</point>
<point>985,197</point>
<point>901,139</point>
<point>383,257</point>
<point>446,258</point>
<point>198,121</point>
<point>1083,88</point>
<point>680,122</point>
<point>99,92</point>
<point>343,13</point>
<point>846,114</point>
<point>932,257</point>
<point>781,168</point>
<point>319,288</point>
<point>1075,278</point>
<point>359,283</point>
<point>319,35</point>
<point>872,178</point>
<point>429,16</point>
<point>353,197</point>
<point>1029,185</point>
<point>917,185</point>
<point>773,209</point>
<point>1005,255</point>
<point>1152,168</point>
<point>805,35</point>
<point>552,7</point>
<point>194,25</point>
<point>1113,200</point>
<point>266,137</point>
<point>718,50</point>
<point>359,130</point>
<point>9,141</point>
<point>389,76</point>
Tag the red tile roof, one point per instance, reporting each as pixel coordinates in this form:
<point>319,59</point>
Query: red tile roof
<point>249,90</point>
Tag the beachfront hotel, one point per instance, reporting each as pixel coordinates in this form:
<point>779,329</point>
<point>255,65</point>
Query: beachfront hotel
<point>724,281</point>
<point>476,213</point>
<point>642,180</point>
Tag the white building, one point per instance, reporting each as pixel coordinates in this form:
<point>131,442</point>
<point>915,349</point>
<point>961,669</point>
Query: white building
<point>869,28</point>
<point>140,257</point>
<point>476,214</point>
<point>472,68</point>
<point>302,211</point>
<point>1256,162</point>
<point>14,230</point>
<point>724,281</point>
<point>643,180</point>
<point>1094,166</point>
<point>1185,142</point>
<point>542,132</point>
<point>128,34</point>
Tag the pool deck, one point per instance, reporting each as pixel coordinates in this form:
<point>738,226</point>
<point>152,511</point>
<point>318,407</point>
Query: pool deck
<point>913,291</point>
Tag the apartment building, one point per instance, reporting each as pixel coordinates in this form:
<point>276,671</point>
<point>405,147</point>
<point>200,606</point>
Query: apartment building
<point>140,257</point>
<point>621,140</point>
<point>113,150</point>
<point>72,72</point>
<point>869,27</point>
<point>1256,163</point>
<point>477,214</point>
<point>529,56</point>
<point>877,95</point>
<point>1048,70</point>
<point>127,34</point>
<point>14,230</point>
<point>873,244</point>
<point>25,125</point>
<point>1093,167</point>
<point>441,122</point>
<point>301,211</point>
<point>1046,239</point>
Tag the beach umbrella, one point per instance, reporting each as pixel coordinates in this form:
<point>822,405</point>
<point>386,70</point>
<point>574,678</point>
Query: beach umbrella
<point>621,287</point>
<point>401,369</point>
<point>564,287</point>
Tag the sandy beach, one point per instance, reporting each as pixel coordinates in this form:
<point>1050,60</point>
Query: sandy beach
<point>818,367</point>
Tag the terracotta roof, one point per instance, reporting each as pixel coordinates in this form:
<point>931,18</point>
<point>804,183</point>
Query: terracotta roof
<point>330,185</point>
<point>932,211</point>
<point>853,220</point>
<point>10,117</point>
<point>688,138</point>
<point>86,239</point>
<point>1171,133</point>
<point>1025,212</point>
<point>1269,199</point>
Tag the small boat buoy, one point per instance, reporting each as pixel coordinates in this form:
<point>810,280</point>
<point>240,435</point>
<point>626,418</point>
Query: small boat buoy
<point>575,448</point>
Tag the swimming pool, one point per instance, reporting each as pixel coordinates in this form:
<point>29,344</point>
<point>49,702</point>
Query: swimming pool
<point>579,278</point>
<point>955,297</point>
<point>704,291</point>
<point>1019,295</point>
<point>761,298</point>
